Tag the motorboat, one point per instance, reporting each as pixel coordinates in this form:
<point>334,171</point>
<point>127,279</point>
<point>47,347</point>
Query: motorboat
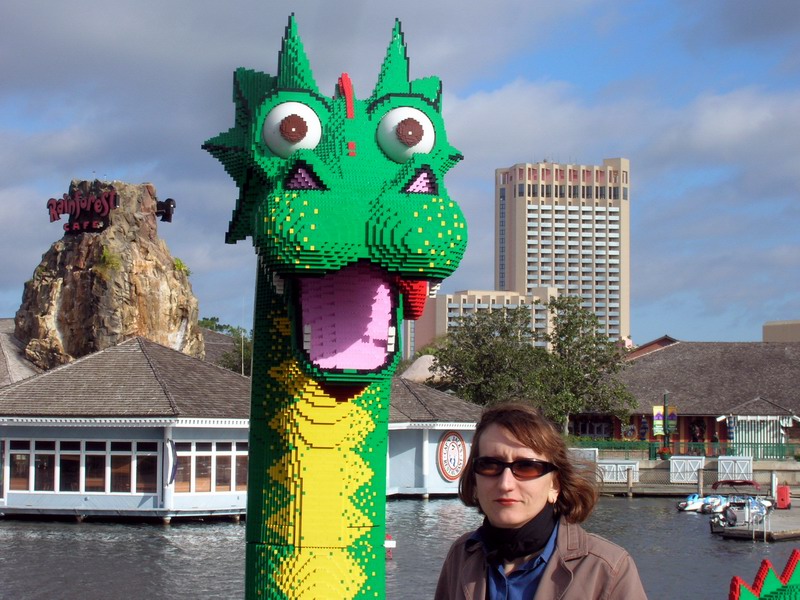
<point>740,510</point>
<point>702,504</point>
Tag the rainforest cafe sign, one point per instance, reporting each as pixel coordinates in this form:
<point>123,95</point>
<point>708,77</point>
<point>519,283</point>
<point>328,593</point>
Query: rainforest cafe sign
<point>86,213</point>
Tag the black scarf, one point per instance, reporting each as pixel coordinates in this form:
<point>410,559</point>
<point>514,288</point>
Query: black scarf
<point>507,544</point>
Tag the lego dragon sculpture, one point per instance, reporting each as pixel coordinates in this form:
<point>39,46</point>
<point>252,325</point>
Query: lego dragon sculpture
<point>345,204</point>
<point>768,585</point>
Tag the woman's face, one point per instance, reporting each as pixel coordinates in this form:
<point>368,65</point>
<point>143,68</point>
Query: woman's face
<point>506,501</point>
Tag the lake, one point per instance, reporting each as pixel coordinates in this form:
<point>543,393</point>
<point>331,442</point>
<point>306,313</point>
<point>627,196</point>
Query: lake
<point>675,553</point>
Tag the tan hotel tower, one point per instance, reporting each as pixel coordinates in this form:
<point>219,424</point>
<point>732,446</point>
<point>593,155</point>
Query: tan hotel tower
<point>567,226</point>
<point>559,229</point>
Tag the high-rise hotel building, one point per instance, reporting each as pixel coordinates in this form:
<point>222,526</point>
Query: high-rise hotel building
<point>567,226</point>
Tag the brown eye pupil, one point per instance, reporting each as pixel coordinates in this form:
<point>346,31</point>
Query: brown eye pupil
<point>293,128</point>
<point>409,132</point>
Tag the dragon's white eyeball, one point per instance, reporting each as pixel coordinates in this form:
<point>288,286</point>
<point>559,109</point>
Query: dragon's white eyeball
<point>405,131</point>
<point>290,126</point>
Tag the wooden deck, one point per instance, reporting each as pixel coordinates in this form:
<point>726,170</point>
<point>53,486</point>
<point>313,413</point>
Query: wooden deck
<point>780,525</point>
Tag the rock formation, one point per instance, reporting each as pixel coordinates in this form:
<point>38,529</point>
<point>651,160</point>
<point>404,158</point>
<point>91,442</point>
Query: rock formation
<point>93,290</point>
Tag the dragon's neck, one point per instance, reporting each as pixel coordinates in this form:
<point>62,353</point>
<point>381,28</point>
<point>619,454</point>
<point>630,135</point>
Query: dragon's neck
<point>317,479</point>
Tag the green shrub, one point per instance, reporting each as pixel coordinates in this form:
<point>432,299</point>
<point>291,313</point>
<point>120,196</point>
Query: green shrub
<point>107,264</point>
<point>181,267</point>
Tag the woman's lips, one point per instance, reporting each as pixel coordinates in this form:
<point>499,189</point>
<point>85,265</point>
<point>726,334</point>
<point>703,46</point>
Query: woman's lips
<point>506,501</point>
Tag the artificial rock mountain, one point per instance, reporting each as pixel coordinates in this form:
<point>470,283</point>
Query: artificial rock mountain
<point>95,290</point>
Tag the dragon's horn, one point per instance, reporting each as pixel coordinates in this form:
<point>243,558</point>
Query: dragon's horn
<point>393,77</point>
<point>294,71</point>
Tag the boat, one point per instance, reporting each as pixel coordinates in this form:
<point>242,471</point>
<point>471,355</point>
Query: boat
<point>701,504</point>
<point>741,511</point>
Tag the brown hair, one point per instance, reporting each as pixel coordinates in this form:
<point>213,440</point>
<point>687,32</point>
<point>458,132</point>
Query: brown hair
<point>577,488</point>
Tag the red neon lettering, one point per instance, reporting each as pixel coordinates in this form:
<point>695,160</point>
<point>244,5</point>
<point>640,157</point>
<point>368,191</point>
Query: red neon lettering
<point>52,206</point>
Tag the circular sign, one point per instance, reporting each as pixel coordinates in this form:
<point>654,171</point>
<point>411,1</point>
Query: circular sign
<point>451,455</point>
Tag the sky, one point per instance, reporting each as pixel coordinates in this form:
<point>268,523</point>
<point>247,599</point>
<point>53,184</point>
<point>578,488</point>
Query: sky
<point>702,97</point>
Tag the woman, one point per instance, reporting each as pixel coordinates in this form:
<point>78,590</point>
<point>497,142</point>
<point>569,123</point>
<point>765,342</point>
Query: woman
<point>530,546</point>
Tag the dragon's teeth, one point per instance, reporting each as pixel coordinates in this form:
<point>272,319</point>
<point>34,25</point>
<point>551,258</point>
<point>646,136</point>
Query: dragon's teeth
<point>433,290</point>
<point>307,338</point>
<point>391,338</point>
<point>277,283</point>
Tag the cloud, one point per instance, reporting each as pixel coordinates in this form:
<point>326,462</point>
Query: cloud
<point>741,22</point>
<point>130,90</point>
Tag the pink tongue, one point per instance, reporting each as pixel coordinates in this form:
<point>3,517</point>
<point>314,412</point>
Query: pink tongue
<point>349,313</point>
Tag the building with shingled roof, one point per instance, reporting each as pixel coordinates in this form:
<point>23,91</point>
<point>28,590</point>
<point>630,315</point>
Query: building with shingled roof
<point>137,429</point>
<point>739,393</point>
<point>141,430</point>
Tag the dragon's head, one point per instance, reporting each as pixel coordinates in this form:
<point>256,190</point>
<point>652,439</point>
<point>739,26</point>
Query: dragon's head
<point>345,203</point>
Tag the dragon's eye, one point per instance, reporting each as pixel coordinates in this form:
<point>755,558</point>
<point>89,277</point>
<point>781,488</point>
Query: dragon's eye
<point>405,131</point>
<point>290,126</point>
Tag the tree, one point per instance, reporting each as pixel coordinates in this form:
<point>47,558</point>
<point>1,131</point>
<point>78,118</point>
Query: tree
<point>211,323</point>
<point>489,356</point>
<point>580,374</point>
<point>239,358</point>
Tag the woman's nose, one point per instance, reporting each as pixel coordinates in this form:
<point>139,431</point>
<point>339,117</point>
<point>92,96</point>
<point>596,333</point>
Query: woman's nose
<point>506,478</point>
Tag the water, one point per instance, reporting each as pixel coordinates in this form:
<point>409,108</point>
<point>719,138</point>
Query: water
<point>676,555</point>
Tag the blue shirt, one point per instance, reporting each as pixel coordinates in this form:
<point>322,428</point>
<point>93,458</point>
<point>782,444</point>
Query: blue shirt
<point>522,583</point>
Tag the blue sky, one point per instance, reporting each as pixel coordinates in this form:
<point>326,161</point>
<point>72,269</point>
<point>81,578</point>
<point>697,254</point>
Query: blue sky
<point>702,97</point>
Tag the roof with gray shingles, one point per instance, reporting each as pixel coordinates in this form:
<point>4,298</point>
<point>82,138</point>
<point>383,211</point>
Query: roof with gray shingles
<point>216,344</point>
<point>140,378</point>
<point>137,378</point>
<point>714,378</point>
<point>13,364</point>
<point>416,402</point>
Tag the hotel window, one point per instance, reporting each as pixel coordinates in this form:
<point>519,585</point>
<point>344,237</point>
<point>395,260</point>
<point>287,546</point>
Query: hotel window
<point>19,478</point>
<point>95,466</point>
<point>211,466</point>
<point>202,467</point>
<point>223,481</point>
<point>183,471</point>
<point>241,466</point>
<point>44,466</point>
<point>69,467</point>
<point>91,466</point>
<point>121,467</point>
<point>146,467</point>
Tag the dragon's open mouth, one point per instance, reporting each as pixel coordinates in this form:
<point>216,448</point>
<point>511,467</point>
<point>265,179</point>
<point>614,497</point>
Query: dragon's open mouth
<point>346,321</point>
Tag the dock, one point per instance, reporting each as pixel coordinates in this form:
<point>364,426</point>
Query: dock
<point>779,526</point>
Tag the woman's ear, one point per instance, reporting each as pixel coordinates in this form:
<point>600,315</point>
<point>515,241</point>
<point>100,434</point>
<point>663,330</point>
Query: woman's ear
<point>552,493</point>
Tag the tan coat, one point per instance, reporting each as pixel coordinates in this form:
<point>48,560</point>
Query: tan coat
<point>584,566</point>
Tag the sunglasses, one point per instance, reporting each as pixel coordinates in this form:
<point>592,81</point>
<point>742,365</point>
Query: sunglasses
<point>524,468</point>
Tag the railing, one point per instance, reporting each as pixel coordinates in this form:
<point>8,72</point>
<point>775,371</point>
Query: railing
<point>653,450</point>
<point>660,481</point>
